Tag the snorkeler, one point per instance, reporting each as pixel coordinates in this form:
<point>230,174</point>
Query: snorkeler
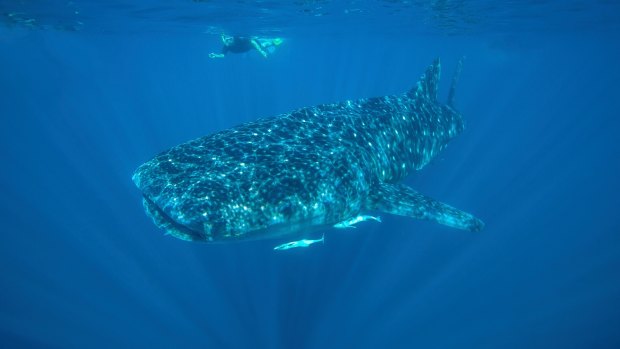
<point>240,44</point>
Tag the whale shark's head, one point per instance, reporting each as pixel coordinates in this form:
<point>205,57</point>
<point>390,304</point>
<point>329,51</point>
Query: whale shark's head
<point>179,198</point>
<point>170,225</point>
<point>201,199</point>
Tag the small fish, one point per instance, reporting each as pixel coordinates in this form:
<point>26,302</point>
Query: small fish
<point>350,222</point>
<point>299,243</point>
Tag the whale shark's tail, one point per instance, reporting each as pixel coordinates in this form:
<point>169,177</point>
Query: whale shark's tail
<point>428,85</point>
<point>401,200</point>
<point>455,80</point>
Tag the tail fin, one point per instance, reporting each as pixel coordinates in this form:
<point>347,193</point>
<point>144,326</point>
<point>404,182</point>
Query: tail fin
<point>429,82</point>
<point>455,80</point>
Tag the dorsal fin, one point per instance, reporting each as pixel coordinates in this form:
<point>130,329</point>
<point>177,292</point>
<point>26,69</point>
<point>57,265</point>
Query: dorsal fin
<point>455,80</point>
<point>429,82</point>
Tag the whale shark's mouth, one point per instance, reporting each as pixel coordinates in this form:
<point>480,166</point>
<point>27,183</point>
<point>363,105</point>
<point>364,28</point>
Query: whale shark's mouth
<point>172,227</point>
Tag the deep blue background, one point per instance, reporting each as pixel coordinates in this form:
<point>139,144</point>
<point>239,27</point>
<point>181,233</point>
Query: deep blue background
<point>82,265</point>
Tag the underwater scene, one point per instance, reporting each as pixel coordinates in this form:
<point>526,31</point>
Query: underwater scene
<point>310,174</point>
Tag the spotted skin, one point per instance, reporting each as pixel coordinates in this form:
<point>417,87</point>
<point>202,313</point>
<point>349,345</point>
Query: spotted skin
<point>304,171</point>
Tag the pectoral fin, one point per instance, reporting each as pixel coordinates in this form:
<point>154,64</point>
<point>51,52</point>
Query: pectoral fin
<point>403,201</point>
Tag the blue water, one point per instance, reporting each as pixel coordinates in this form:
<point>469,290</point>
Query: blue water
<point>90,90</point>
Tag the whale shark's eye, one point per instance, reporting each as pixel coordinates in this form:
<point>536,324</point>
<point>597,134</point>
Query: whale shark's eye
<point>286,210</point>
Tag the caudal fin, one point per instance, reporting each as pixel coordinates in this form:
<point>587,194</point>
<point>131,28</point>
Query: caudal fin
<point>455,80</point>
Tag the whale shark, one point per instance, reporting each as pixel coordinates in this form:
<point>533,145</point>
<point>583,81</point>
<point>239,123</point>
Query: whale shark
<point>315,168</point>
